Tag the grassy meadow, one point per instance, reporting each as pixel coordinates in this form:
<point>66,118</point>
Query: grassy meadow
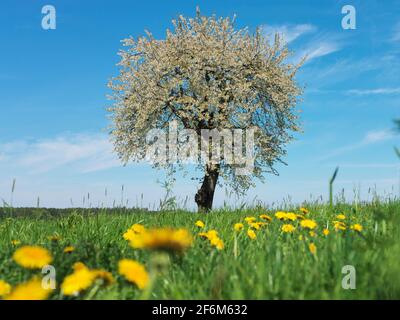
<point>303,264</point>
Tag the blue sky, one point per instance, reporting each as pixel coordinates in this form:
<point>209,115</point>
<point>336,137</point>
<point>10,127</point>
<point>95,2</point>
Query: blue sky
<point>53,132</point>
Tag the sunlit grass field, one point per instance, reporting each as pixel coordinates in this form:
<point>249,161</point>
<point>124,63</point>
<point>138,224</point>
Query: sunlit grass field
<point>304,264</point>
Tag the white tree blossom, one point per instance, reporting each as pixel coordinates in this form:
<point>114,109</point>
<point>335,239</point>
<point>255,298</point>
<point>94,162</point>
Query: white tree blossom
<point>206,74</point>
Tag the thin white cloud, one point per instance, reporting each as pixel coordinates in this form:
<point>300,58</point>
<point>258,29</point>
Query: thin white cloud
<point>318,46</point>
<point>371,137</point>
<point>288,32</point>
<point>348,70</point>
<point>84,152</point>
<point>377,136</point>
<point>377,91</point>
<point>317,49</point>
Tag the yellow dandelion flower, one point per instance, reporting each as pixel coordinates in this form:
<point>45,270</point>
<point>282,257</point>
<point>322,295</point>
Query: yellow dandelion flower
<point>265,217</point>
<point>69,249</point>
<point>251,234</point>
<point>81,279</point>
<point>78,266</point>
<point>250,219</point>
<point>200,224</point>
<point>238,226</point>
<point>129,235</point>
<point>212,234</point>
<point>134,272</point>
<point>54,237</point>
<point>341,217</point>
<point>313,248</point>
<point>163,239</point>
<point>288,228</point>
<point>138,228</point>
<point>30,290</point>
<point>312,234</point>
<point>338,225</point>
<point>15,242</point>
<point>300,217</point>
<point>325,232</point>
<point>5,288</point>
<point>356,227</point>
<point>286,216</point>
<point>304,210</point>
<point>308,224</point>
<point>291,216</point>
<point>134,230</point>
<point>255,225</point>
<point>220,244</point>
<point>217,242</point>
<point>203,235</point>
<point>104,275</point>
<point>32,257</point>
<point>281,215</point>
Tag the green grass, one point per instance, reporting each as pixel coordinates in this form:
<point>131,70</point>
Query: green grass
<point>274,266</point>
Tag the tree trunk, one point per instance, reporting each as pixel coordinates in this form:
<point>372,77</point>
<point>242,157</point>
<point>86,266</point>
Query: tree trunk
<point>205,196</point>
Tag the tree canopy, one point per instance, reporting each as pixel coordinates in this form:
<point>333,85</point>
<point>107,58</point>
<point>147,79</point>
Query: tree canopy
<point>206,74</point>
